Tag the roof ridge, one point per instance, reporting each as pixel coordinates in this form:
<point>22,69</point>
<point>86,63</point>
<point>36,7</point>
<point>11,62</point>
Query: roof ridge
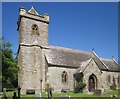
<point>70,49</point>
<point>115,61</point>
<point>107,59</point>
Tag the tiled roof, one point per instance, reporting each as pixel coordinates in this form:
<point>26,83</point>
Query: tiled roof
<point>60,56</point>
<point>65,57</point>
<point>106,64</point>
<point>99,63</point>
<point>111,64</point>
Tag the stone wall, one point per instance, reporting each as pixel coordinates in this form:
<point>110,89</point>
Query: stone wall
<point>55,78</point>
<point>25,32</point>
<point>102,77</point>
<point>91,68</point>
<point>113,75</point>
<point>30,68</point>
<point>44,71</point>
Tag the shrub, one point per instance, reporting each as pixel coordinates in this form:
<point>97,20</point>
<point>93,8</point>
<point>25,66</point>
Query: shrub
<point>113,86</point>
<point>79,87</point>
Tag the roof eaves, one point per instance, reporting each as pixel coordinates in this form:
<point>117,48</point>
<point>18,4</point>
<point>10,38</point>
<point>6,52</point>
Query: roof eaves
<point>65,66</point>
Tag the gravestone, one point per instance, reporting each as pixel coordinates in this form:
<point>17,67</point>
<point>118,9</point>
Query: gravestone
<point>19,88</point>
<point>30,91</point>
<point>15,96</point>
<point>49,91</point>
<point>97,92</point>
<point>4,93</point>
<point>38,95</point>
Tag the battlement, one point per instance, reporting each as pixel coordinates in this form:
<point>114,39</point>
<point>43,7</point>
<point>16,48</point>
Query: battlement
<point>32,14</point>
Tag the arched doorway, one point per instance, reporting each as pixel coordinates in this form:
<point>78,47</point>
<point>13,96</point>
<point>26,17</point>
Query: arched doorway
<point>92,83</point>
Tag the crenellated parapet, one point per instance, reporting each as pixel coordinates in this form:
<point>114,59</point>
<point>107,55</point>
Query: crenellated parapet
<point>32,14</point>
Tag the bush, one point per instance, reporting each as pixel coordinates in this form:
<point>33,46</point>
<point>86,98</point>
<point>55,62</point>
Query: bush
<point>79,87</point>
<point>113,86</point>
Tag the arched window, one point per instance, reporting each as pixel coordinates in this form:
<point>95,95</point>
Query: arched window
<point>64,76</point>
<point>113,79</point>
<point>118,79</point>
<point>109,78</point>
<point>35,30</point>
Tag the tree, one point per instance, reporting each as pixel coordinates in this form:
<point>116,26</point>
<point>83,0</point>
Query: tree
<point>9,65</point>
<point>80,85</point>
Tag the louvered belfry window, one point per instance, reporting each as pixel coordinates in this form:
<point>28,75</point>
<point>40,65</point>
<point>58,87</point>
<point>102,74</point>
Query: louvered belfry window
<point>35,30</point>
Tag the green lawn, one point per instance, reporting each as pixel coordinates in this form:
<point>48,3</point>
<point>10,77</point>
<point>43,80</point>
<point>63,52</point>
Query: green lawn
<point>114,92</point>
<point>71,94</point>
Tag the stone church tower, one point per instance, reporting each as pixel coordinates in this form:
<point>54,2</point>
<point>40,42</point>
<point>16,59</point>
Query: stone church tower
<point>33,36</point>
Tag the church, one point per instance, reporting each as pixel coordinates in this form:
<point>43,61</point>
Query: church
<point>41,64</point>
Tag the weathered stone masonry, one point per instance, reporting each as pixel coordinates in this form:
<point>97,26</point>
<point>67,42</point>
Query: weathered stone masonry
<point>41,64</point>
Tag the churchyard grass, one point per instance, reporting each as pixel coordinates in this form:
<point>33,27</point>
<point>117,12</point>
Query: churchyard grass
<point>113,92</point>
<point>71,94</point>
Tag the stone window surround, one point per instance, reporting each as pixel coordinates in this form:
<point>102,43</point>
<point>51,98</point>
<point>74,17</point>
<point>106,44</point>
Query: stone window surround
<point>64,77</point>
<point>35,30</point>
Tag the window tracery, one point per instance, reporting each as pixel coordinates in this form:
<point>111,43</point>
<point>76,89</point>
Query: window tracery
<point>35,30</point>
